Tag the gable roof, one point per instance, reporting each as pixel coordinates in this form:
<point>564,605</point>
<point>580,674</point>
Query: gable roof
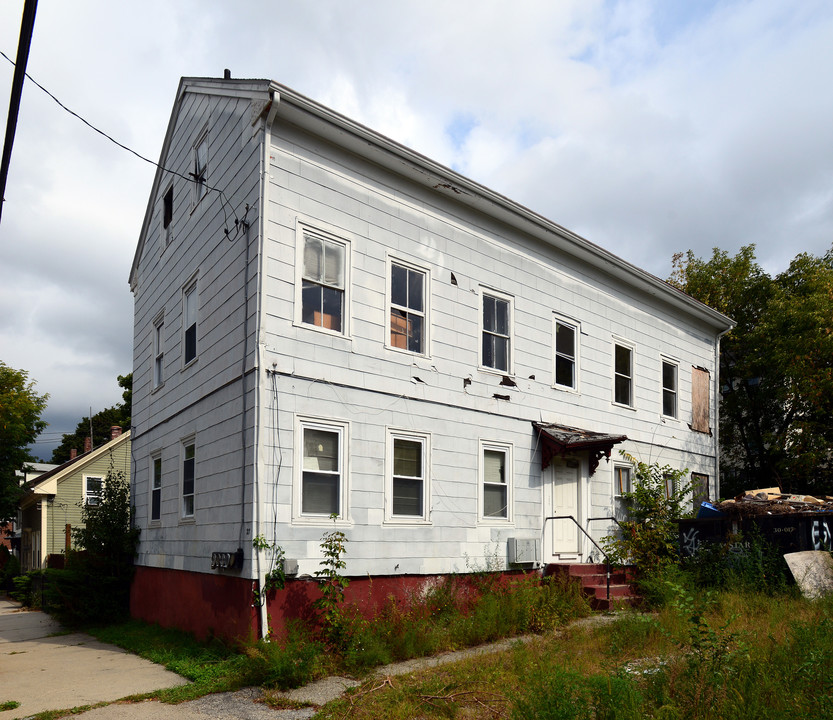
<point>290,106</point>
<point>79,462</point>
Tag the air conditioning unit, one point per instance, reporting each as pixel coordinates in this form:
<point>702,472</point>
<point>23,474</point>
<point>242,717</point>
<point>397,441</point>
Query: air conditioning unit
<point>524,551</point>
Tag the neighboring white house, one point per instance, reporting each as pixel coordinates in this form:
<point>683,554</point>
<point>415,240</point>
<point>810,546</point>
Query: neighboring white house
<point>328,323</point>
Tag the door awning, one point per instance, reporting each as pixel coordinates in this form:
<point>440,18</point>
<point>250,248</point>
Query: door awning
<point>559,440</point>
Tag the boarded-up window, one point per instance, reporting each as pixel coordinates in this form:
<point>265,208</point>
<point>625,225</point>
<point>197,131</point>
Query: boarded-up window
<point>700,400</point>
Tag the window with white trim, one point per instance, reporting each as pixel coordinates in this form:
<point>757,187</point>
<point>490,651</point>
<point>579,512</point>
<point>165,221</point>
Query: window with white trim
<point>189,323</point>
<point>189,462</point>
<point>159,350</point>
<point>566,354</point>
<point>408,308</point>
<point>408,468</point>
<point>496,330</point>
<point>622,484</point>
<point>672,485</point>
<point>324,275</point>
<point>623,374</point>
<point>495,481</point>
<point>93,487</point>
<point>322,484</point>
<point>155,488</point>
<point>669,388</point>
<point>200,168</point>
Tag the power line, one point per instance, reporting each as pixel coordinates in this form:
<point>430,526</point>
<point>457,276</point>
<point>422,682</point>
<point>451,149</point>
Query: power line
<point>223,198</point>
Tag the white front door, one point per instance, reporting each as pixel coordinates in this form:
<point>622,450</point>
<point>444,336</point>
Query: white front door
<point>562,485</point>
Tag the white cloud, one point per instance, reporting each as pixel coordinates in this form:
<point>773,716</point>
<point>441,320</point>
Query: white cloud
<point>646,126</point>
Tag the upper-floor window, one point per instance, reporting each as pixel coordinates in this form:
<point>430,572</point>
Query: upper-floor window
<point>669,389</point>
<point>156,488</point>
<point>623,374</point>
<point>167,216</point>
<point>408,326</point>
<point>93,486</point>
<point>200,167</point>
<point>699,489</point>
<point>323,282</point>
<point>700,394</point>
<point>189,322</point>
<point>407,487</point>
<point>189,462</point>
<point>496,347</point>
<point>566,354</point>
<point>158,351</point>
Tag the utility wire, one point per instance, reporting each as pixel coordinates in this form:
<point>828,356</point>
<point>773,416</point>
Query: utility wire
<point>223,198</point>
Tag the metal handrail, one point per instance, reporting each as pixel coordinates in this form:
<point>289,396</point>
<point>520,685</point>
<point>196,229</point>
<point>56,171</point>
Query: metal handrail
<point>587,535</point>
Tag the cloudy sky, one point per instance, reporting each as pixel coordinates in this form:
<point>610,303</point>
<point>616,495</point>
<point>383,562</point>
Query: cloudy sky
<point>648,127</point>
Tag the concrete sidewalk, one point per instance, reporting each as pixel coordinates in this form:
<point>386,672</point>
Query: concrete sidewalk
<point>43,670</point>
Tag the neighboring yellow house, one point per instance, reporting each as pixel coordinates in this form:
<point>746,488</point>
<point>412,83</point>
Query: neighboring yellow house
<point>54,500</point>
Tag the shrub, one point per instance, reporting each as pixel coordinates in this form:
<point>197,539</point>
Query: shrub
<point>648,538</point>
<point>10,571</point>
<point>95,584</point>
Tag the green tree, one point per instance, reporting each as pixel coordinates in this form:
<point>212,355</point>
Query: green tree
<point>96,584</point>
<point>775,367</point>
<point>101,423</point>
<point>20,424</point>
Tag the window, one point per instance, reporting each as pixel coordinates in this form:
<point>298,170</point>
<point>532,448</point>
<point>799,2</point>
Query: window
<point>158,351</point>
<point>407,308</point>
<point>566,354</point>
<point>189,459</point>
<point>323,282</point>
<point>322,469</point>
<point>496,481</point>
<point>408,473</point>
<point>189,323</point>
<point>623,375</point>
<point>700,400</point>
<point>621,485</point>
<point>93,486</point>
<point>672,486</point>
<point>167,216</point>
<point>669,389</point>
<point>156,489</point>
<point>699,489</point>
<point>200,168</point>
<point>496,350</point>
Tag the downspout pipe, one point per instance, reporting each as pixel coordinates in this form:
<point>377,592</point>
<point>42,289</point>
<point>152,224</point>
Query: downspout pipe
<point>718,400</point>
<point>263,223</point>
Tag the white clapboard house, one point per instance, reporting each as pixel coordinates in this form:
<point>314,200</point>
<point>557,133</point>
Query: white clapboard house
<point>330,324</point>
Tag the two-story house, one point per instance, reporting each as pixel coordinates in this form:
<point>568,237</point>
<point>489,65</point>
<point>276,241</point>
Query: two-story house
<point>328,324</point>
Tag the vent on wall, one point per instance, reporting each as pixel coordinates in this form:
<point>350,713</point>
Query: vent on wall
<point>523,551</point>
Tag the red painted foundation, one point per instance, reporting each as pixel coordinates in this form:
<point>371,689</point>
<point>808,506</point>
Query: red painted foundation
<point>198,603</point>
<point>221,605</point>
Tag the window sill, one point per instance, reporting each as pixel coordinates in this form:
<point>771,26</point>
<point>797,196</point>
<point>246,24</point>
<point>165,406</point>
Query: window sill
<point>406,522</point>
<point>494,521</point>
<point>190,520</point>
<point>190,363</point>
<point>321,520</point>
<point>322,330</point>
<point>624,407</point>
<point>156,389</point>
<point>566,388</point>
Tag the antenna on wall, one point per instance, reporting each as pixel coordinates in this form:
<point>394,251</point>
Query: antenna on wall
<point>92,439</point>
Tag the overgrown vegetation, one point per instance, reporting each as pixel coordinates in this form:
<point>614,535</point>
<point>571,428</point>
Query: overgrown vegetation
<point>648,537</point>
<point>94,586</point>
<point>704,656</point>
